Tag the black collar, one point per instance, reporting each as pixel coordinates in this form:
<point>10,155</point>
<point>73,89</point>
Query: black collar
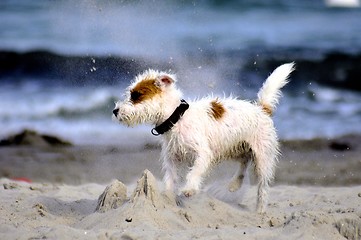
<point>173,119</point>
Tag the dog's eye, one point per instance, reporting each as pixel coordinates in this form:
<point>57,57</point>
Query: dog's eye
<point>134,96</point>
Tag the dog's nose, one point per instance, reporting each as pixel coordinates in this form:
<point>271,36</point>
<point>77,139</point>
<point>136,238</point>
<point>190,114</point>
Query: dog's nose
<point>116,111</point>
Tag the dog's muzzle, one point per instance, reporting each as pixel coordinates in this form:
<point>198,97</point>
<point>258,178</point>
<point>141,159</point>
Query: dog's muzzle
<point>115,112</point>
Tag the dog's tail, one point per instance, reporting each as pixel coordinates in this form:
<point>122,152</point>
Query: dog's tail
<point>270,92</point>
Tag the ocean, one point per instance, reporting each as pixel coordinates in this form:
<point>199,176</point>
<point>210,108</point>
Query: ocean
<point>65,63</point>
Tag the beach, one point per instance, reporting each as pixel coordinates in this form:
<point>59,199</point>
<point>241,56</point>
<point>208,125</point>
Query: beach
<point>52,191</point>
<point>67,171</point>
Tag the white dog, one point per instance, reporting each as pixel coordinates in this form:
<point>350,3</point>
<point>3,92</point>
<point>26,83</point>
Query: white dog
<point>204,132</point>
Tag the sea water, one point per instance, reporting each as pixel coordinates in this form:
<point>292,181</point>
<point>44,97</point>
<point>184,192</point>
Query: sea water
<point>197,38</point>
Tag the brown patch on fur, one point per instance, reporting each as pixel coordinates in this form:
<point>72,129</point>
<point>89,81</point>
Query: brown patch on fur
<point>145,89</point>
<point>267,109</point>
<point>217,109</point>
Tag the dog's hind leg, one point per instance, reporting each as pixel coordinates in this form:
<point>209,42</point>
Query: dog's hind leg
<point>245,156</point>
<point>262,193</point>
<point>264,168</point>
<point>265,158</point>
<point>237,180</point>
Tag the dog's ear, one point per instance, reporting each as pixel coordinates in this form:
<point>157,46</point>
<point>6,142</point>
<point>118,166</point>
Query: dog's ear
<point>165,80</point>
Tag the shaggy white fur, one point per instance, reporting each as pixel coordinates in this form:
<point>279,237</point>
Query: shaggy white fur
<point>211,130</point>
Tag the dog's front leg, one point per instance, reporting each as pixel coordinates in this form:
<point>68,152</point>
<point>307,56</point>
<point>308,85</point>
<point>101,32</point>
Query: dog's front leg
<point>170,172</point>
<point>195,176</point>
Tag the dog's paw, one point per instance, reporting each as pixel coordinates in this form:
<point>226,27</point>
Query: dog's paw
<point>188,192</point>
<point>234,186</point>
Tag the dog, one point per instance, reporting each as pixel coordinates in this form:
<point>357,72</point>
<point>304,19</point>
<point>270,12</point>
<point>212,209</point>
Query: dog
<point>201,133</point>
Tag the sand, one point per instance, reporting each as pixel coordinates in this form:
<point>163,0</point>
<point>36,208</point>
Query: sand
<point>72,193</point>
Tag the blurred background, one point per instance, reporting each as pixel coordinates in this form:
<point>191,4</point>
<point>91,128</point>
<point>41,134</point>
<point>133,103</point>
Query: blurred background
<point>64,63</point>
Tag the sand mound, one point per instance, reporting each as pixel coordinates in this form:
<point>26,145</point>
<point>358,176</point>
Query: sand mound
<point>162,210</point>
<point>113,197</point>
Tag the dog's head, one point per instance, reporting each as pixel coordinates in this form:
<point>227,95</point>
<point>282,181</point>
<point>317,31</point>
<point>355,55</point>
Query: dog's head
<point>147,98</point>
